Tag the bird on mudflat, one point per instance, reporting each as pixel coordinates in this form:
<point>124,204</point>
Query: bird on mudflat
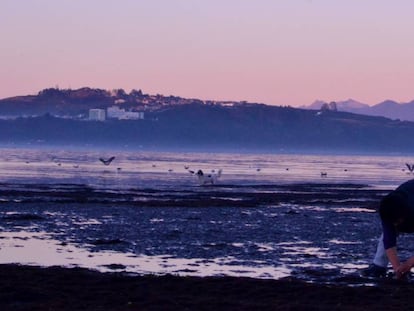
<point>410,167</point>
<point>106,161</point>
<point>204,179</point>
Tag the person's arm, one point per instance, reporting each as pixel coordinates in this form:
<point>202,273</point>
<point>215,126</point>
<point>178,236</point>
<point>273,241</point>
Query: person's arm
<point>393,258</point>
<point>390,245</point>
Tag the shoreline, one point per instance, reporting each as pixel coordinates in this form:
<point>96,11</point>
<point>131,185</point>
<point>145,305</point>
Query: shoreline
<point>58,288</point>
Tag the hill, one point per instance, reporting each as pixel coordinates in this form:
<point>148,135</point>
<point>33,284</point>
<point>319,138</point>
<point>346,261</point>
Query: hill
<point>76,103</point>
<point>241,127</point>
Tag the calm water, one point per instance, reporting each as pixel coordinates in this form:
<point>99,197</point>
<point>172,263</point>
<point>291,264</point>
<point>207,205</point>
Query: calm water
<point>146,213</point>
<point>150,169</point>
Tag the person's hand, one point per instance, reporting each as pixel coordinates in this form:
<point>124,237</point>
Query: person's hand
<point>404,268</point>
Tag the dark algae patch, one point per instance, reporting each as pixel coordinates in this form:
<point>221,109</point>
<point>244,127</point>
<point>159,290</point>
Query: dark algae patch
<point>34,288</point>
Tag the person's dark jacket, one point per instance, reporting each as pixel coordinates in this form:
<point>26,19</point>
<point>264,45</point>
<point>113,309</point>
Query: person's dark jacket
<point>390,231</point>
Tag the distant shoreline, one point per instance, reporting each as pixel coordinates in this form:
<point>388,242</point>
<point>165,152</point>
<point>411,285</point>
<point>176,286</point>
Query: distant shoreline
<point>213,150</point>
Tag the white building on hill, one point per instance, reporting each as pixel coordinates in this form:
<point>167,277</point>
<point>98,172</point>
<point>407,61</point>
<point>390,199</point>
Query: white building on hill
<point>97,114</point>
<point>115,112</point>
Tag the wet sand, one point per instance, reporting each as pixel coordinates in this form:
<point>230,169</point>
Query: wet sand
<point>56,288</point>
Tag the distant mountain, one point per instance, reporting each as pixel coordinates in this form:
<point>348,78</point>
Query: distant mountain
<point>389,109</point>
<point>351,104</point>
<point>348,105</point>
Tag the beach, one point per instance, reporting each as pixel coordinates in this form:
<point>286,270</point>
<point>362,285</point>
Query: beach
<point>78,235</point>
<point>56,288</point>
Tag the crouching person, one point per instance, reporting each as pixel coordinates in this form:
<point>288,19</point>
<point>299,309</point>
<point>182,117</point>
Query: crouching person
<point>397,216</point>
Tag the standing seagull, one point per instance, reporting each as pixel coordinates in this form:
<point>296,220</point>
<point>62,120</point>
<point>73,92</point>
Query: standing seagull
<point>107,161</point>
<point>204,179</point>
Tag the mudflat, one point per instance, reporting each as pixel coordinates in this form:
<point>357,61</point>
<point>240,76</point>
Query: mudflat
<point>57,288</point>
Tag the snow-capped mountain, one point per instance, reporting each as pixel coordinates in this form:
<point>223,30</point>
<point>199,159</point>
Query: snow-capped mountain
<point>388,108</point>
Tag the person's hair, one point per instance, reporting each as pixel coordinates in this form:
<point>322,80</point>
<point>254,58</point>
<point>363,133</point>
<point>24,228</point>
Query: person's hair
<point>393,207</point>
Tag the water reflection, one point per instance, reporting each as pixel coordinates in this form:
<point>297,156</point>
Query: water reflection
<point>40,249</point>
<point>163,169</point>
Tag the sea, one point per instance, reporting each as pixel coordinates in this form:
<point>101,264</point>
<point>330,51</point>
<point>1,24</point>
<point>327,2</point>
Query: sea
<point>310,216</point>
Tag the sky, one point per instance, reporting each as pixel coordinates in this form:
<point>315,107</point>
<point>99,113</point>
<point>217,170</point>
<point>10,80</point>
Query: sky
<point>277,52</point>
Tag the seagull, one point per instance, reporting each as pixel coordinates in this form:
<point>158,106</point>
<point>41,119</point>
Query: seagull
<point>410,167</point>
<point>107,161</point>
<point>209,178</point>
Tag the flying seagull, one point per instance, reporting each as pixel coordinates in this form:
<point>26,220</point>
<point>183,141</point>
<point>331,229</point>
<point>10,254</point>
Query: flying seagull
<point>107,161</point>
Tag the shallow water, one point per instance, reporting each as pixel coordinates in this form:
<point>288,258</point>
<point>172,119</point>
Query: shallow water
<point>269,216</point>
<point>157,169</point>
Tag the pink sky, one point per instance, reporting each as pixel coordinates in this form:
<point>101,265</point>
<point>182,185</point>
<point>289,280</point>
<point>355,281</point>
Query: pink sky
<point>280,52</point>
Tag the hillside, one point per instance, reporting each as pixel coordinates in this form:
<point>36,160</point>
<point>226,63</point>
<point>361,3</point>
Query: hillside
<point>243,127</point>
<point>76,103</point>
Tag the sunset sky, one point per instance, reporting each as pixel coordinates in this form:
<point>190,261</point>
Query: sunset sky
<point>278,52</point>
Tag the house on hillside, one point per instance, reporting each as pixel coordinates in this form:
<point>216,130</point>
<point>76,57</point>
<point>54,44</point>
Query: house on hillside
<point>97,114</point>
<point>115,112</point>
